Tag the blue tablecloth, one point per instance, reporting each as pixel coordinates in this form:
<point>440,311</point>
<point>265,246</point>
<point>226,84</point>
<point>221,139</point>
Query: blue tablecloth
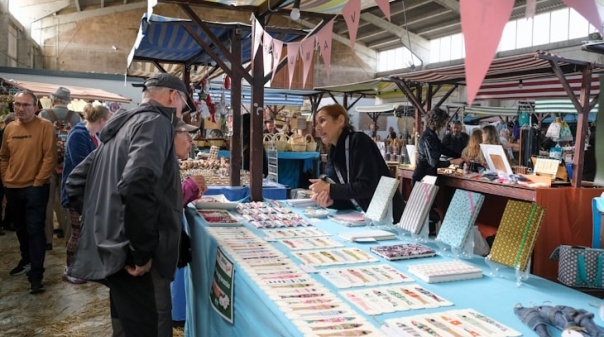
<point>256,315</point>
<point>235,193</point>
<point>293,164</point>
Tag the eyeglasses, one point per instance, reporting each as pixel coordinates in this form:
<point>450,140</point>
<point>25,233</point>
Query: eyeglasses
<point>184,99</point>
<point>22,105</point>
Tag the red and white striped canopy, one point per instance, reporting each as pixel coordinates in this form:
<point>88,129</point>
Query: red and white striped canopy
<point>503,79</point>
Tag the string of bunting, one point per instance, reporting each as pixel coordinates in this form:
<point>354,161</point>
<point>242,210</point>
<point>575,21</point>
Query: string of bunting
<point>482,23</point>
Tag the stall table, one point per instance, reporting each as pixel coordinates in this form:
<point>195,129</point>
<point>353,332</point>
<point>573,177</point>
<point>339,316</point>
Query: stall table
<point>255,315</point>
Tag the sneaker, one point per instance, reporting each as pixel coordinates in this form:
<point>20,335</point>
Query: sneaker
<point>20,269</point>
<point>73,280</point>
<point>59,233</point>
<point>36,287</point>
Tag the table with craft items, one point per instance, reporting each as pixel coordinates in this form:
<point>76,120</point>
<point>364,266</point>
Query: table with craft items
<point>567,219</point>
<point>255,314</point>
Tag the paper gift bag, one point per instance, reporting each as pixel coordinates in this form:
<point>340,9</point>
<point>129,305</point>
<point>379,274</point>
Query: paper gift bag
<point>517,234</point>
<point>209,125</point>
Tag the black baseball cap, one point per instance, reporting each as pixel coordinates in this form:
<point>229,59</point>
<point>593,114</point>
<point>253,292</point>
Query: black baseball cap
<point>170,81</point>
<point>182,126</point>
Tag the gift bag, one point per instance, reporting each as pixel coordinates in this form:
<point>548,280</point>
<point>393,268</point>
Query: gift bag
<point>579,266</point>
<point>582,266</point>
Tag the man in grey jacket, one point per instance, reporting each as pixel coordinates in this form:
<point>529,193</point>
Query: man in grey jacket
<point>132,210</point>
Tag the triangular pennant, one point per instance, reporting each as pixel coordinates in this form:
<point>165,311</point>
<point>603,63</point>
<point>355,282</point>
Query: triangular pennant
<point>482,23</point>
<point>589,10</point>
<point>352,15</point>
<point>257,32</point>
<point>277,50</point>
<point>307,50</point>
<point>292,56</point>
<point>324,40</point>
<point>384,5</point>
<point>531,8</point>
<point>267,50</point>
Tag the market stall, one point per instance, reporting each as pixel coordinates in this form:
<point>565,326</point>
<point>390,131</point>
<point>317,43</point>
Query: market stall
<point>257,311</point>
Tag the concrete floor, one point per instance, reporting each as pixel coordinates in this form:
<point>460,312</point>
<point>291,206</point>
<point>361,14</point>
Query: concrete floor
<point>62,310</point>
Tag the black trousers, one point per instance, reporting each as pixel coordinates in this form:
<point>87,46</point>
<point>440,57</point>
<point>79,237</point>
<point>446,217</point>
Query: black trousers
<point>140,306</point>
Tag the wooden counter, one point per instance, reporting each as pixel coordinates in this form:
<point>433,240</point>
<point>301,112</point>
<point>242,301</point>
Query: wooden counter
<point>567,219</point>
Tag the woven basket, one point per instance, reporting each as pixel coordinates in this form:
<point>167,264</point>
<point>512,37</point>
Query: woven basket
<point>216,142</point>
<point>298,147</point>
<point>280,141</point>
<point>200,143</point>
<point>311,145</point>
<point>267,141</point>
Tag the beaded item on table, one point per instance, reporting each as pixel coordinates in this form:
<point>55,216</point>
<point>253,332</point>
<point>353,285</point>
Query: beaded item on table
<point>371,275</point>
<point>457,323</point>
<point>307,303</point>
<point>375,301</point>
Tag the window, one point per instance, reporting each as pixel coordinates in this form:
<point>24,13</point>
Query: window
<point>397,58</point>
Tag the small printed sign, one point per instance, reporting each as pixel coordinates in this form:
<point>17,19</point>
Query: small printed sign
<point>221,294</point>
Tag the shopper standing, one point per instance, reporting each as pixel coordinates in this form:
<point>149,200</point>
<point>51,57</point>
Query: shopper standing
<point>132,210</point>
<point>28,157</point>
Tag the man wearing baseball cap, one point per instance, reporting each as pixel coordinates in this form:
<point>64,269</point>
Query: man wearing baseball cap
<point>132,208</point>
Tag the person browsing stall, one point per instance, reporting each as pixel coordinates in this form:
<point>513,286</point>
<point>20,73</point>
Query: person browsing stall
<point>82,140</point>
<point>130,194</point>
<point>355,165</point>
<point>430,148</point>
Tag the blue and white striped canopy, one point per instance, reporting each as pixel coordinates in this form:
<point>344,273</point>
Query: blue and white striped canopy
<point>165,41</point>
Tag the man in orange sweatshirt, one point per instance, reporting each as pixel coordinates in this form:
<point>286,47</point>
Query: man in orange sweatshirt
<point>28,156</point>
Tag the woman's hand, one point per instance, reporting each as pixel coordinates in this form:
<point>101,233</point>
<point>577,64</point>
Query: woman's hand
<point>322,199</point>
<point>317,186</point>
<point>456,161</point>
<point>200,181</point>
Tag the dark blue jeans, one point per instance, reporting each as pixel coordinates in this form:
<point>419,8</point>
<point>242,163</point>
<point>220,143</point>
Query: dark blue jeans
<point>29,213</point>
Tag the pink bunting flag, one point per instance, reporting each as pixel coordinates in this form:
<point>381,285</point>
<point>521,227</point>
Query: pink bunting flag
<point>482,23</point>
<point>384,5</point>
<point>257,37</point>
<point>587,9</point>
<point>277,51</point>
<point>531,8</point>
<point>352,15</point>
<point>267,50</point>
<point>307,50</point>
<point>292,56</point>
<point>324,40</point>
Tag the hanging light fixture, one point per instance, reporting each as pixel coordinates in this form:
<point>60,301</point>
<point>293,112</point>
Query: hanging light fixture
<point>295,13</point>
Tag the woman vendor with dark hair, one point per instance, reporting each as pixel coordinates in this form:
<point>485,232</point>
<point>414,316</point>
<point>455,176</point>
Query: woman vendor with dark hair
<point>355,165</point>
<point>430,148</point>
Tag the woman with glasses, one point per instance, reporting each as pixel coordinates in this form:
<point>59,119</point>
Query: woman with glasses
<point>81,141</point>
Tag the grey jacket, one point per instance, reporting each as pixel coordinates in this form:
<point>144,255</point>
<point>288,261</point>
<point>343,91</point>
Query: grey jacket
<point>131,202</point>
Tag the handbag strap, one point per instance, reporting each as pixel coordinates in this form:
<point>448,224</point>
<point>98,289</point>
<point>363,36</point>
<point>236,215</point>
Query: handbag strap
<point>582,279</point>
<point>525,234</point>
<point>597,224</point>
<point>339,174</point>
